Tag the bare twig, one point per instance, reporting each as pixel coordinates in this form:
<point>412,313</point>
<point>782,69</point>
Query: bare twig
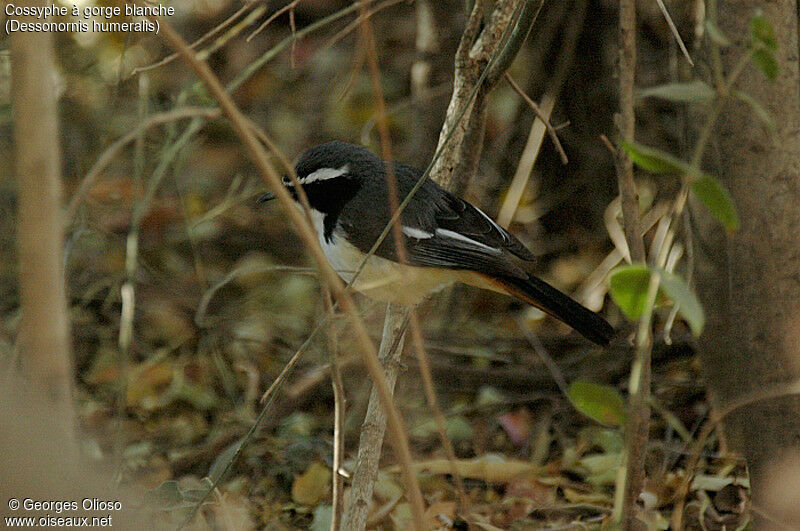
<point>626,124</point>
<point>216,29</point>
<point>545,119</point>
<point>522,27</point>
<point>339,408</point>
<point>363,16</point>
<point>438,415</point>
<point>290,6</point>
<point>366,347</point>
<point>518,21</point>
<point>529,154</point>
<point>630,479</point>
<point>371,441</point>
<point>372,431</point>
<point>674,31</point>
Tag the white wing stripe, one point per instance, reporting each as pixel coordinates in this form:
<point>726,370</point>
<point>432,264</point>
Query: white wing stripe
<point>444,233</point>
<point>419,234</point>
<point>323,174</point>
<point>490,220</point>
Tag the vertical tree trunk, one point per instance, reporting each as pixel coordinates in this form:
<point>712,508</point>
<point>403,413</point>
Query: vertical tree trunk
<point>750,281</point>
<point>44,328</point>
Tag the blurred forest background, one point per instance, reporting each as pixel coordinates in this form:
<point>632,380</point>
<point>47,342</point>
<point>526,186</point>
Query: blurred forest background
<point>225,293</point>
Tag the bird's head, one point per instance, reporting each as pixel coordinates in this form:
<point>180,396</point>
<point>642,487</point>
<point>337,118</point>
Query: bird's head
<point>331,174</point>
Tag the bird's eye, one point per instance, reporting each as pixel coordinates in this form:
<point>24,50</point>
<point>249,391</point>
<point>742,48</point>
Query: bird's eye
<point>286,181</point>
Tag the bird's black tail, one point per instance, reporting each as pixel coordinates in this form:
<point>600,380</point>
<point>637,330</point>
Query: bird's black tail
<point>548,299</point>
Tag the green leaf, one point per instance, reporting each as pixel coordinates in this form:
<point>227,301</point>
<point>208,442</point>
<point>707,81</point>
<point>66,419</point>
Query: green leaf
<point>716,34</point>
<point>688,304</point>
<point>765,62</point>
<point>759,110</point>
<point>628,286</point>
<point>692,92</point>
<point>717,200</point>
<point>598,402</point>
<point>654,160</point>
<point>762,33</point>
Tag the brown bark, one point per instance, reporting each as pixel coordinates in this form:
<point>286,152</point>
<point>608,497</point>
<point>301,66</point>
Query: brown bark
<point>749,280</point>
<point>44,328</point>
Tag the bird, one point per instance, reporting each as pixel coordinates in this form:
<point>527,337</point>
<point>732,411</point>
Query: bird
<point>444,238</point>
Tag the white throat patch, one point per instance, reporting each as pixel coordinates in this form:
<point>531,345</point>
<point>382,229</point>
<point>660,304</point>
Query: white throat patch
<point>323,174</point>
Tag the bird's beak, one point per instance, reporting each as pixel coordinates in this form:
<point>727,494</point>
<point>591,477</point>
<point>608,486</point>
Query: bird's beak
<point>269,196</point>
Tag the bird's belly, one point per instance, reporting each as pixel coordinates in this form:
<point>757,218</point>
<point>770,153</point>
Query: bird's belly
<point>382,279</point>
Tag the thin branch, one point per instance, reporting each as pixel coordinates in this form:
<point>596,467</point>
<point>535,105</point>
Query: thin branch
<point>626,124</point>
<point>522,28</point>
<point>631,476</point>
<point>290,6</point>
<point>374,428</point>
<point>438,415</point>
<point>366,347</point>
<point>364,15</point>
<point>459,159</point>
<point>339,409</point>
<point>526,162</point>
<point>539,114</point>
<point>674,31</point>
<point>372,435</point>
<point>216,29</point>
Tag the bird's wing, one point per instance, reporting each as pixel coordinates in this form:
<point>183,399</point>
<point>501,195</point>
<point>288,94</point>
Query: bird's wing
<point>462,237</point>
<point>438,229</point>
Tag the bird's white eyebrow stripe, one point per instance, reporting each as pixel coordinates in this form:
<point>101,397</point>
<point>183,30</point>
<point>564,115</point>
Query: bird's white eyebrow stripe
<point>419,234</point>
<point>323,174</point>
<point>444,233</point>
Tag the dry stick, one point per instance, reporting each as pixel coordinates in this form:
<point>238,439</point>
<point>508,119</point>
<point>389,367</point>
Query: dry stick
<point>630,477</point>
<point>626,124</point>
<point>492,42</point>
<point>276,14</point>
<point>519,19</point>
<point>461,102</point>
<point>529,155</point>
<point>545,118</point>
<point>674,30</point>
<point>366,348</point>
<point>339,407</point>
<point>372,431</point>
<point>371,441</point>
<point>455,120</point>
<point>374,426</point>
<point>438,415</point>
<point>364,15</point>
<point>216,29</point>
<point>537,131</point>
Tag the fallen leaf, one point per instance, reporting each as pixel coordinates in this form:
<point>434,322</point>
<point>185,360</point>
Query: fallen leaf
<point>312,486</point>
